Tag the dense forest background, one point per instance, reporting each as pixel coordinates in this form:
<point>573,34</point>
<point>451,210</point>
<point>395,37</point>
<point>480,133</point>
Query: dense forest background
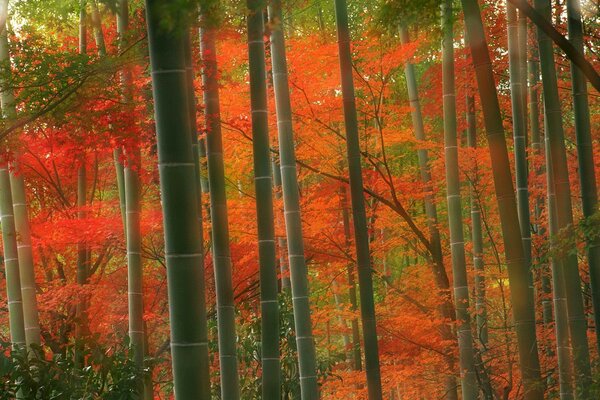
<point>294,199</point>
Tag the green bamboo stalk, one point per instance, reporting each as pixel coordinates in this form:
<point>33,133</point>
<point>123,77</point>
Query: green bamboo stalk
<point>523,45</point>
<point>134,260</point>
<point>518,271</point>
<point>202,158</point>
<point>291,203</point>
<point>26,266</point>
<point>281,242</point>
<point>519,125</point>
<point>204,372</point>
<point>457,241</point>
<point>564,215</point>
<point>356,353</point>
<point>264,204</point>
<point>118,151</point>
<point>367,303</point>
<point>561,326</point>
<point>97,28</point>
<point>131,209</point>
<point>81,328</point>
<point>218,209</point>
<point>183,243</point>
<point>11,263</point>
<point>476,232</point>
<point>21,219</point>
<point>446,308</point>
<point>587,174</point>
<point>82,274</point>
<point>534,124</point>
<point>120,174</point>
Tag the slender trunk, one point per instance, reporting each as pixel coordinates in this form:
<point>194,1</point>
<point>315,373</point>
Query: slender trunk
<point>21,219</point>
<point>457,242</point>
<point>476,232</point>
<point>367,302</point>
<point>561,326</point>
<point>291,203</point>
<point>204,374</point>
<point>11,262</point>
<point>97,28</point>
<point>534,125</point>
<point>281,242</point>
<point>120,173</point>
<point>264,204</point>
<point>26,266</point>
<point>80,311</point>
<point>519,126</point>
<point>183,243</point>
<point>523,45</point>
<point>342,322</point>
<point>587,174</point>
<point>356,353</point>
<point>81,327</point>
<point>446,308</point>
<point>129,184</point>
<point>564,215</point>
<point>218,209</point>
<point>518,271</point>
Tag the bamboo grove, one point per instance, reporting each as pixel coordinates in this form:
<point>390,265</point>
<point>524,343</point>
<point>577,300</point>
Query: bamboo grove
<point>275,199</point>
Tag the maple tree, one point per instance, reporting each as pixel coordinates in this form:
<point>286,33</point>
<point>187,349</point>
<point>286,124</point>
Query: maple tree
<point>271,199</point>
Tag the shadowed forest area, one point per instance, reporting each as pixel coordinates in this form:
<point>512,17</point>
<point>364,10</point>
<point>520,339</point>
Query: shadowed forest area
<point>300,199</point>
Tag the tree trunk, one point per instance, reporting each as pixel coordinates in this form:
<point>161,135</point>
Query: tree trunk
<point>218,208</point>
<point>476,232</point>
<point>291,203</point>
<point>457,241</point>
<point>446,308</point>
<point>130,185</point>
<point>367,303</point>
<point>518,271</point>
<point>264,205</point>
<point>21,219</point>
<point>356,353</point>
<point>587,175</point>
<point>281,241</point>
<point>183,243</point>
<point>534,123</point>
<point>561,325</point>
<point>11,262</point>
<point>519,126</point>
<point>564,215</point>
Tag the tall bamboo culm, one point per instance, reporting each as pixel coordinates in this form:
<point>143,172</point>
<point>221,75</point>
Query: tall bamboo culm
<point>365,279</point>
<point>518,271</point>
<point>218,209</point>
<point>284,270</point>
<point>587,174</point>
<point>183,245</point>
<point>204,373</point>
<point>519,126</point>
<point>356,353</point>
<point>263,182</point>
<point>457,241</point>
<point>476,231</point>
<point>131,211</point>
<point>446,308</point>
<point>291,202</point>
<point>536,147</point>
<point>21,218</point>
<point>559,298</point>
<point>564,215</point>
<point>11,262</point>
